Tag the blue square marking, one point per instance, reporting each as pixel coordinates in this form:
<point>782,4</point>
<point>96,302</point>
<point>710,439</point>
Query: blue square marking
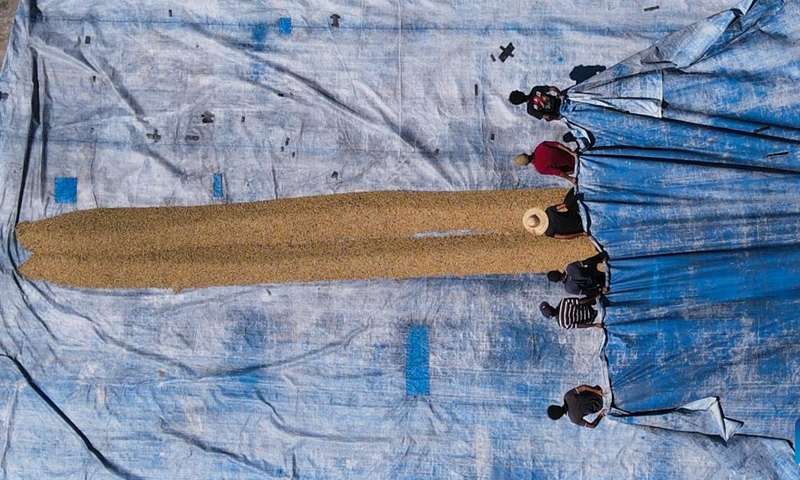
<point>417,358</point>
<point>285,25</point>
<point>66,189</point>
<point>218,185</point>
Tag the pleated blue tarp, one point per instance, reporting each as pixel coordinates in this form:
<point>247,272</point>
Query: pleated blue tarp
<point>695,201</point>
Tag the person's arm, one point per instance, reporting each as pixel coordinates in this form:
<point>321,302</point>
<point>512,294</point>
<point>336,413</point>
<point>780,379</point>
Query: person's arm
<point>570,236</point>
<point>596,420</point>
<point>590,325</point>
<point>596,389</point>
<point>585,300</point>
<point>572,180</point>
<point>588,388</point>
<point>590,292</point>
<point>596,290</point>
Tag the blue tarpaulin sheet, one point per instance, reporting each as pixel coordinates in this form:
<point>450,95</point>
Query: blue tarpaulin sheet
<point>688,180</point>
<point>697,206</point>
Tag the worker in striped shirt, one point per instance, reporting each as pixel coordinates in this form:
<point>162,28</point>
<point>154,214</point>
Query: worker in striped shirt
<point>573,312</point>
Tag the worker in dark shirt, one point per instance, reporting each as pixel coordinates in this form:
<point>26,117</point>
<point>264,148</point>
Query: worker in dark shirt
<point>562,221</point>
<point>543,102</point>
<point>582,277</point>
<point>578,403</point>
<point>550,158</point>
<point>573,312</point>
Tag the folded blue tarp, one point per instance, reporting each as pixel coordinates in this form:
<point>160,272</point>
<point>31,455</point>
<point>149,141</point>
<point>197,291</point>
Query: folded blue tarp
<point>694,197</point>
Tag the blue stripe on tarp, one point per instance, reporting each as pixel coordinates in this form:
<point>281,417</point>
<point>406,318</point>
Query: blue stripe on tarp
<point>285,25</point>
<point>66,189</point>
<point>417,355</point>
<point>217,185</point>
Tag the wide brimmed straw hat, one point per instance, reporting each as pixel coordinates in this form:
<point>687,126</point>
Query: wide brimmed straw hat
<point>535,221</point>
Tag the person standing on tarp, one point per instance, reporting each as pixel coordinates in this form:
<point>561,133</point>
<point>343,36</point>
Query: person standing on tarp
<point>550,158</point>
<point>582,277</point>
<point>562,221</point>
<point>578,403</point>
<point>573,312</point>
<point>543,102</point>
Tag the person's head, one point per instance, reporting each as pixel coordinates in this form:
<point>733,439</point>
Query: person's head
<point>548,311</point>
<point>556,411</point>
<point>522,159</point>
<point>517,98</point>
<point>555,276</point>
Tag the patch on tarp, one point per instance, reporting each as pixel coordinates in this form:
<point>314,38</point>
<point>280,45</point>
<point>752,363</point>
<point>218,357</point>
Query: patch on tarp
<point>285,25</point>
<point>417,355</point>
<point>66,189</point>
<point>218,192</point>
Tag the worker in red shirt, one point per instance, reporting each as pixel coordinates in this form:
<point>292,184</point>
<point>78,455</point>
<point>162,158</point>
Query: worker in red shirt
<point>550,158</point>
